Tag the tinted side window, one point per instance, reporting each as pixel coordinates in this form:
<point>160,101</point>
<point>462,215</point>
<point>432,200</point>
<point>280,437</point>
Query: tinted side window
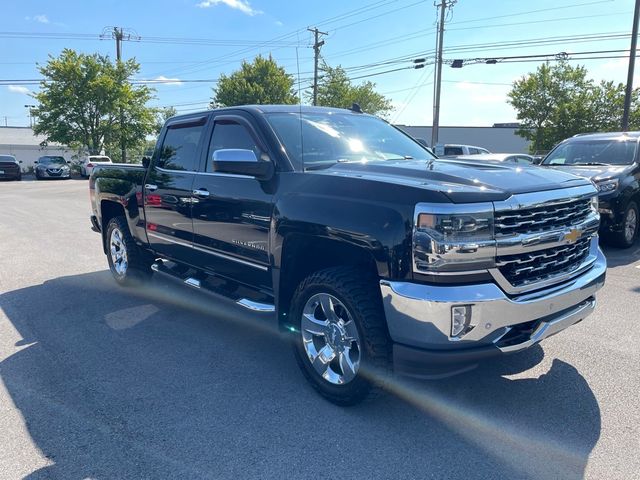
<point>453,151</point>
<point>473,151</point>
<point>231,135</point>
<point>179,148</point>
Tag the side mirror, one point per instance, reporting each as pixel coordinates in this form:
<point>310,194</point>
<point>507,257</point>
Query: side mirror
<point>241,162</point>
<point>35,162</point>
<point>19,161</point>
<point>145,162</point>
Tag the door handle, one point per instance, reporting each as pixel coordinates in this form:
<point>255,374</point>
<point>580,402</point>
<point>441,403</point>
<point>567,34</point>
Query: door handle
<point>201,193</point>
<point>151,187</point>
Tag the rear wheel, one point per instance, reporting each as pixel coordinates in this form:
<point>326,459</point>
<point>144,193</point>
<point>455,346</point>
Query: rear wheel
<point>627,236</point>
<point>129,264</point>
<point>341,341</point>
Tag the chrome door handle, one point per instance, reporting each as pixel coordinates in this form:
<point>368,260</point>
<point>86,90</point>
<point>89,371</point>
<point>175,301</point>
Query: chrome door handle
<point>201,193</point>
<point>150,187</point>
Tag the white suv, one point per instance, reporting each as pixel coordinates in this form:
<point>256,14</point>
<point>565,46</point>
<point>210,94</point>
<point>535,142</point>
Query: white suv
<point>87,164</point>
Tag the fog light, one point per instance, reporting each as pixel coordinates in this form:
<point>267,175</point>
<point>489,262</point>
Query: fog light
<point>460,320</point>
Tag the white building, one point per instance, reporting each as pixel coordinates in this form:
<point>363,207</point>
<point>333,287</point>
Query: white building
<point>24,145</point>
<point>496,139</point>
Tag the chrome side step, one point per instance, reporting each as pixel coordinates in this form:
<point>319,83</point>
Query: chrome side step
<point>256,306</point>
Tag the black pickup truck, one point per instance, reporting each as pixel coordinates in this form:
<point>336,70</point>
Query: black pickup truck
<point>372,255</point>
<point>612,161</point>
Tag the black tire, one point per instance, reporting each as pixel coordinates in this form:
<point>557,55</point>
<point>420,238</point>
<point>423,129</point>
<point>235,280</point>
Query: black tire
<point>623,239</point>
<point>138,261</point>
<point>359,294</point>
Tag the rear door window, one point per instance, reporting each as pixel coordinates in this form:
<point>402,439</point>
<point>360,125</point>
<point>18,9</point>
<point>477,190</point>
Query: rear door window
<point>179,149</point>
<point>453,151</point>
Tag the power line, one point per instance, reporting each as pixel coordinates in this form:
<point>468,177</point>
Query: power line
<point>564,7</point>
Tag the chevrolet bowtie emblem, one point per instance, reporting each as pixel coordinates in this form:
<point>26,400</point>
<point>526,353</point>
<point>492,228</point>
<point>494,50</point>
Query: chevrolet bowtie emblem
<point>572,235</point>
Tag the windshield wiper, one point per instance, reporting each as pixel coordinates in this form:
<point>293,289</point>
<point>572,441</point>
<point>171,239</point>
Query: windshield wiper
<point>592,163</point>
<point>319,166</point>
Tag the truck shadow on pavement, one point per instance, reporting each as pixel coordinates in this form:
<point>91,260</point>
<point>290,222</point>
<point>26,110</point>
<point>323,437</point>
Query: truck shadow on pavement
<point>617,257</point>
<point>114,383</point>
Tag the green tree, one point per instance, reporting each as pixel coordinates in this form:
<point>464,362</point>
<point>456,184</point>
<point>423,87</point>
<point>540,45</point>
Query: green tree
<point>262,81</point>
<point>162,115</point>
<point>559,101</point>
<point>336,90</point>
<point>82,99</point>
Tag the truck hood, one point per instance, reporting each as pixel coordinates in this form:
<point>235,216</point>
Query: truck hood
<point>594,172</point>
<point>459,180</point>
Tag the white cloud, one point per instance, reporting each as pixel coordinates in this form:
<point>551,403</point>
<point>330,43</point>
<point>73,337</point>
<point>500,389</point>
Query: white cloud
<point>242,5</point>
<point>279,23</point>
<point>167,81</point>
<point>18,89</point>
<point>38,18</point>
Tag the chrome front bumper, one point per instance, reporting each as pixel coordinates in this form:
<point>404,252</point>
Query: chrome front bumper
<point>419,316</point>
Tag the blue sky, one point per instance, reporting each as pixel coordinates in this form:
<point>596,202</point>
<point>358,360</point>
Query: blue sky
<point>360,33</point>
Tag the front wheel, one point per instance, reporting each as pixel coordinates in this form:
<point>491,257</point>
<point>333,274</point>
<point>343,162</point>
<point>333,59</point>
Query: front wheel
<point>129,264</point>
<point>341,342</point>
<point>626,237</point>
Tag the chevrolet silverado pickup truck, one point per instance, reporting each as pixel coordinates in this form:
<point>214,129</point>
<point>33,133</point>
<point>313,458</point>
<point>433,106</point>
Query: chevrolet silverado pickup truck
<point>371,255</point>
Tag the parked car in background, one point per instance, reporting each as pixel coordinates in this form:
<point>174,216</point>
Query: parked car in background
<point>507,158</point>
<point>611,161</point>
<point>88,163</point>
<point>50,166</point>
<point>326,223</point>
<point>10,168</point>
<point>452,150</point>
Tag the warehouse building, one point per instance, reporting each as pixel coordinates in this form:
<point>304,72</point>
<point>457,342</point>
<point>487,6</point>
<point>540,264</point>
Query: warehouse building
<point>24,145</point>
<point>500,138</point>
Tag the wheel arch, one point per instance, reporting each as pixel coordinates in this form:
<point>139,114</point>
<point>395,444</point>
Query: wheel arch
<point>318,253</point>
<point>108,210</point>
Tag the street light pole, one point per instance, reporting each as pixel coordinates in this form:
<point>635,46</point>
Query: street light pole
<point>29,107</point>
<point>632,61</point>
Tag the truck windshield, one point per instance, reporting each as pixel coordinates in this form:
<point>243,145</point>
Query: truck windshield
<point>614,151</point>
<point>318,140</point>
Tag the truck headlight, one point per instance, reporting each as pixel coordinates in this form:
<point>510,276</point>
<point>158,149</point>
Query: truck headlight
<point>607,186</point>
<point>450,238</point>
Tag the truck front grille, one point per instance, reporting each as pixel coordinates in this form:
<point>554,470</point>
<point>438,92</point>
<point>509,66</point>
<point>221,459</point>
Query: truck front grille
<point>542,218</point>
<point>529,268</point>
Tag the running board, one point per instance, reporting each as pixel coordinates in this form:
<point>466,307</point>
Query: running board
<point>202,284</point>
<point>256,306</point>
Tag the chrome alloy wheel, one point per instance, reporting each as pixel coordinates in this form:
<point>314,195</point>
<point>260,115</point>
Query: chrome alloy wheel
<point>330,339</point>
<point>118,252</point>
<point>630,225</point>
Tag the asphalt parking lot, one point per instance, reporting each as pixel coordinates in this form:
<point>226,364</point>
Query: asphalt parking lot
<point>101,382</point>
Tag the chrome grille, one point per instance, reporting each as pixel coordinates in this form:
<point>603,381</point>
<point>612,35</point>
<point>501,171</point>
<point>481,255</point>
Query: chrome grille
<point>527,268</point>
<point>542,218</point>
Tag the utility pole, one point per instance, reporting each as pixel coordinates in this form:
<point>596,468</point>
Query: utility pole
<point>119,34</point>
<point>444,4</point>
<point>632,62</point>
<point>316,57</point>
